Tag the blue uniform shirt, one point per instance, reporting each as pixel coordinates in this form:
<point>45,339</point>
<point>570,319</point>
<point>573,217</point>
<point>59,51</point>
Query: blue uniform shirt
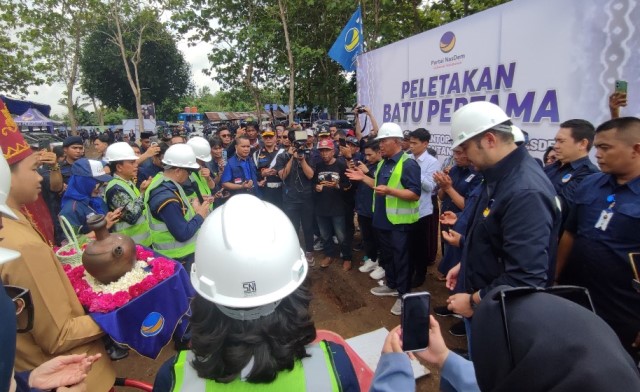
<point>238,171</point>
<point>410,179</point>
<point>165,204</point>
<point>513,235</point>
<point>364,195</point>
<point>76,213</point>
<point>463,180</point>
<point>603,255</point>
<point>147,170</point>
<point>565,178</point>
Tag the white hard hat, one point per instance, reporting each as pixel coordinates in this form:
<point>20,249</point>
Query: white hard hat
<point>474,118</point>
<point>247,255</point>
<point>201,148</point>
<point>518,135</point>
<point>120,151</point>
<point>390,130</point>
<point>5,186</point>
<point>180,155</point>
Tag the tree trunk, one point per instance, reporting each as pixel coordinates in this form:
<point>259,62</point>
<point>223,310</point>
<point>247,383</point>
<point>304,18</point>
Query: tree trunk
<point>99,111</point>
<point>283,18</point>
<point>71,82</point>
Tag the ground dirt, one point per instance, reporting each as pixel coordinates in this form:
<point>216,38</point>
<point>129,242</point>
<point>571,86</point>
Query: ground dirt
<point>341,303</point>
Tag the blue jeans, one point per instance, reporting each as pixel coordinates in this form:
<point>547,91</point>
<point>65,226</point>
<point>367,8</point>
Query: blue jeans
<point>330,226</point>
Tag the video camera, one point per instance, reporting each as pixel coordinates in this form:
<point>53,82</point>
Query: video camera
<point>298,140</point>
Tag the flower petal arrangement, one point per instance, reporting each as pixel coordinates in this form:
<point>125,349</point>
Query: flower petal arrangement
<point>103,298</point>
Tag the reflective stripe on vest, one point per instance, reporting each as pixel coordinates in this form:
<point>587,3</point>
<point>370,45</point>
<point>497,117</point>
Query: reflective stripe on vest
<point>161,238</point>
<point>138,231</point>
<point>313,373</point>
<point>399,211</point>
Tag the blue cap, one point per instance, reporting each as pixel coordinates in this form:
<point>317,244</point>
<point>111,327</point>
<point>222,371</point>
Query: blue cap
<point>71,140</point>
<point>89,168</point>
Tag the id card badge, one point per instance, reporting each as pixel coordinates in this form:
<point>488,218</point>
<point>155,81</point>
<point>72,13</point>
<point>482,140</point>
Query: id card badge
<point>605,218</point>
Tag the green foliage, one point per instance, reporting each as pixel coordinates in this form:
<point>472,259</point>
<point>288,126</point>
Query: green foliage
<point>115,116</point>
<point>164,74</point>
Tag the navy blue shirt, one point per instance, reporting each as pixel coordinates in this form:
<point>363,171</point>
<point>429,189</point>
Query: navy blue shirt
<point>410,179</point>
<point>238,171</point>
<point>76,213</point>
<point>364,195</point>
<point>166,205</point>
<point>463,180</point>
<point>513,235</point>
<point>566,178</point>
<point>602,256</point>
<point>147,170</point>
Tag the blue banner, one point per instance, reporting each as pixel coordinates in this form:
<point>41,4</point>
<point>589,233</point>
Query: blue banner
<point>349,44</point>
<point>147,323</point>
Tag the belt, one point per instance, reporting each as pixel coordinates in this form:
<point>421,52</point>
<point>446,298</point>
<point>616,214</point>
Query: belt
<point>274,184</point>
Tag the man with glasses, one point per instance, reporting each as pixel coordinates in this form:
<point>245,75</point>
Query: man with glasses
<point>265,159</point>
<point>601,238</point>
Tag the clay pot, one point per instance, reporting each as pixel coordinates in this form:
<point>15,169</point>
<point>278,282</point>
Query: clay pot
<point>110,256</point>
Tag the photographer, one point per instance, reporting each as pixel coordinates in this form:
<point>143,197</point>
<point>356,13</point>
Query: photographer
<point>296,170</point>
<point>373,132</point>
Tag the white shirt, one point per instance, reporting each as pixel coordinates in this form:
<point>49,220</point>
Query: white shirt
<point>428,166</point>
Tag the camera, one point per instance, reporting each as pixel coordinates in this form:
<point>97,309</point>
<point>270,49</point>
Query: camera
<point>298,140</point>
<point>360,109</point>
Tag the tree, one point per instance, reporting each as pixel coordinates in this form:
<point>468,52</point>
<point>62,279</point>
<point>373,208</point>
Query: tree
<point>135,62</point>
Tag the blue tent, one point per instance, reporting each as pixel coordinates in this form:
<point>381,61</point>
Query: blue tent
<point>33,118</point>
<point>17,106</point>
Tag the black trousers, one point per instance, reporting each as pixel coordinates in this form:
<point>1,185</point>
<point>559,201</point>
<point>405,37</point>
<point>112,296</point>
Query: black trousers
<point>301,214</point>
<point>394,256</point>
<point>419,248</point>
<point>273,196</point>
<point>368,237</point>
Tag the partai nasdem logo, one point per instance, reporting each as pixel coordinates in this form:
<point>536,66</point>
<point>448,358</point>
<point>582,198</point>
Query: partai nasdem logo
<point>447,42</point>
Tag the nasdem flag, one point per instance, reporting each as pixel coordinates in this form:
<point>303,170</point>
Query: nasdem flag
<point>349,44</point>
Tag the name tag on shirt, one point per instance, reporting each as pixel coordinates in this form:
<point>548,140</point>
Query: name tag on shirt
<point>237,181</point>
<point>471,176</point>
<point>605,218</point>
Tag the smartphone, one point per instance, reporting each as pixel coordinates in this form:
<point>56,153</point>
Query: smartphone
<point>621,86</point>
<point>415,321</point>
<point>634,259</point>
<point>45,144</point>
<point>343,142</point>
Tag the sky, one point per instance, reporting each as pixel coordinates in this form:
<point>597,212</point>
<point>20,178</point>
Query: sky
<point>196,56</point>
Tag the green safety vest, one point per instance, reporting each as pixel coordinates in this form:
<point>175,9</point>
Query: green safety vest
<point>399,211</point>
<point>162,240</point>
<point>203,187</point>
<point>313,373</point>
<point>138,231</point>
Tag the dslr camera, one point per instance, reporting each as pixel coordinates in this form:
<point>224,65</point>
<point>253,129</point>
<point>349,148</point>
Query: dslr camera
<point>298,140</point>
<point>360,109</point>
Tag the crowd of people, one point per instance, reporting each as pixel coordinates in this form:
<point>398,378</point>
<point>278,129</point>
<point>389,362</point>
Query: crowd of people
<point>516,235</point>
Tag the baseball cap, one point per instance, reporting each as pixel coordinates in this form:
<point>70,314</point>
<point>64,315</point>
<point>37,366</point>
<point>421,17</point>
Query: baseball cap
<point>89,168</point>
<point>352,140</point>
<point>71,140</point>
<point>309,132</point>
<point>406,134</point>
<point>325,144</point>
<point>268,132</point>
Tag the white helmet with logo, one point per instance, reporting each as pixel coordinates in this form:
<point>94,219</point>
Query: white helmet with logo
<point>5,211</point>
<point>120,151</point>
<point>229,272</point>
<point>180,155</point>
<point>390,130</point>
<point>201,148</point>
<point>474,118</point>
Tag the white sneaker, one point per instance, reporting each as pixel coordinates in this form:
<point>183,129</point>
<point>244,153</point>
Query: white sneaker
<point>377,273</point>
<point>310,259</point>
<point>368,266</point>
<point>396,309</point>
<point>384,291</point>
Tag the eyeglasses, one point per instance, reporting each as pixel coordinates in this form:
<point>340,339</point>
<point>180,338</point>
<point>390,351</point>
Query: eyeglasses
<point>578,295</point>
<point>21,298</point>
<point>225,135</point>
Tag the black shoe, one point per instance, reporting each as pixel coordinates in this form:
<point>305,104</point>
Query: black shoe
<point>461,352</point>
<point>117,352</point>
<point>458,329</point>
<point>443,311</point>
<point>417,282</point>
